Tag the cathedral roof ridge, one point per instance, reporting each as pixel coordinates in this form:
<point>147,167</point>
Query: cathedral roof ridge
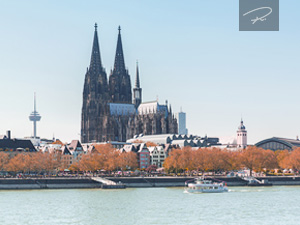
<point>155,101</point>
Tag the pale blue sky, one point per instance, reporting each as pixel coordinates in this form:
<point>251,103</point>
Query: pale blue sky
<point>189,52</point>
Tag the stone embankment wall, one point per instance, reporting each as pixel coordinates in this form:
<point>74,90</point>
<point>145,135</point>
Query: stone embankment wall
<point>180,181</point>
<point>50,183</point>
<point>134,182</point>
<point>168,181</point>
<point>282,180</point>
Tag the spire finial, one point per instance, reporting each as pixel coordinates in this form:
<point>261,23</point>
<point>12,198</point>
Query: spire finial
<point>119,29</point>
<point>96,26</point>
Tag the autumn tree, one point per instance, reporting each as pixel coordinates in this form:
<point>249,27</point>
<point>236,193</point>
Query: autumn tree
<point>37,162</point>
<point>107,156</point>
<point>269,160</point>
<point>75,167</point>
<point>283,159</point>
<point>172,162</point>
<point>232,159</point>
<point>89,163</point>
<point>128,160</point>
<point>257,159</point>
<point>200,161</point>
<point>186,159</point>
<point>16,164</point>
<point>206,159</point>
<point>50,162</point>
<point>4,159</point>
<point>295,159</point>
<point>215,160</point>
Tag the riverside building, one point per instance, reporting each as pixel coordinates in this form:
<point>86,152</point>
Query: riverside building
<point>14,145</point>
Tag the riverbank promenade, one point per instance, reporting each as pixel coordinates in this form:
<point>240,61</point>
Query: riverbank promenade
<point>130,182</point>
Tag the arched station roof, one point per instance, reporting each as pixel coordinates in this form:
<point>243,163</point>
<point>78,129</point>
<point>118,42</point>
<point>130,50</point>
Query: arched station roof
<point>276,143</point>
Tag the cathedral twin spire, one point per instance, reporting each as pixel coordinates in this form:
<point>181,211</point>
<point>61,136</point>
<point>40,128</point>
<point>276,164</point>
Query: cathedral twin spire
<point>95,57</point>
<point>119,66</point>
<point>119,85</point>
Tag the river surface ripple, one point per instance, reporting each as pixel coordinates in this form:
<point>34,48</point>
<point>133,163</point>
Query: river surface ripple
<point>240,206</point>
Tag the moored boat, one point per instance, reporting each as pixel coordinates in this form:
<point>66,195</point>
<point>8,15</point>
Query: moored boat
<point>202,185</point>
<point>253,182</point>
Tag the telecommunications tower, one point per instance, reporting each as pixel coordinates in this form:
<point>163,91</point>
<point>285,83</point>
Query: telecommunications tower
<point>34,117</point>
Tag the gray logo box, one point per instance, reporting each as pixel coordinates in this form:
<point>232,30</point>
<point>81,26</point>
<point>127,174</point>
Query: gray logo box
<point>259,15</point>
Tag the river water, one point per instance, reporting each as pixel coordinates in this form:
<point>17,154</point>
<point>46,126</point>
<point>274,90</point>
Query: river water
<point>241,205</point>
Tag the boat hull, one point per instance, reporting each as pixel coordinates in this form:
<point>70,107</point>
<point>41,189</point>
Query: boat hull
<point>202,185</point>
<point>259,185</point>
<point>195,191</point>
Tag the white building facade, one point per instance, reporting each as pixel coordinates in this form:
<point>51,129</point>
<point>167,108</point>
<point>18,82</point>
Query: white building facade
<point>157,155</point>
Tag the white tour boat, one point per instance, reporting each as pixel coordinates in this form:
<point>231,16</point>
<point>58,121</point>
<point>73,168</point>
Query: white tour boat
<point>202,185</point>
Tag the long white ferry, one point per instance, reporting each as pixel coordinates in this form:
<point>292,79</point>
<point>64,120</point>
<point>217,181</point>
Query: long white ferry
<point>201,185</point>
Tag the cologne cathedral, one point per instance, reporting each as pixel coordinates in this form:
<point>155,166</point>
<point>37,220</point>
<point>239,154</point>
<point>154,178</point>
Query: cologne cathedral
<point>109,113</point>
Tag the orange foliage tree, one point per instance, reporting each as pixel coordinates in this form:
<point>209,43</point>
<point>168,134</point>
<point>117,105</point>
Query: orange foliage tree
<point>215,159</point>
<point>16,164</point>
<point>186,159</point>
<point>172,162</point>
<point>295,159</point>
<point>207,159</point>
<point>128,160</point>
<point>257,159</point>
<point>283,159</point>
<point>4,159</point>
<point>105,157</point>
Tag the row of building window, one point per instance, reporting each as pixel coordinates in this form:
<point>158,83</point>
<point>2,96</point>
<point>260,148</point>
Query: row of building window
<point>274,146</point>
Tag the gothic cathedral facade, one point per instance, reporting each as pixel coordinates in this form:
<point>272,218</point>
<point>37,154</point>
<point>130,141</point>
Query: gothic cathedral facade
<point>108,111</point>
